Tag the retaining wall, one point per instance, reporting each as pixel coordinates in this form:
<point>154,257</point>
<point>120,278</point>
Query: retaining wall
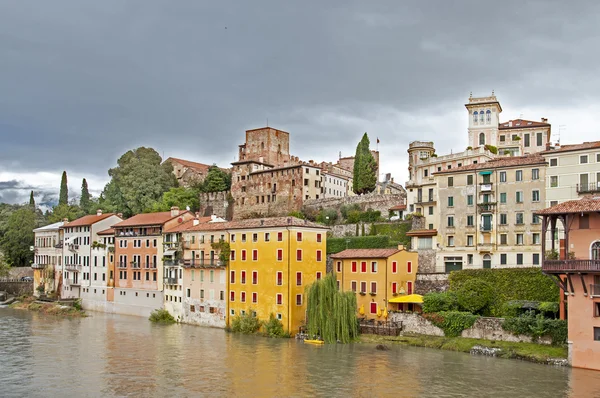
<point>16,287</point>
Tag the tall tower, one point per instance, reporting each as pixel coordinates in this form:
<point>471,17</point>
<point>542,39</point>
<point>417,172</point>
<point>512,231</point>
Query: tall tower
<point>484,117</point>
<point>417,151</point>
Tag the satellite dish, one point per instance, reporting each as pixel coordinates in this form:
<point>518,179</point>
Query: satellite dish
<point>187,208</point>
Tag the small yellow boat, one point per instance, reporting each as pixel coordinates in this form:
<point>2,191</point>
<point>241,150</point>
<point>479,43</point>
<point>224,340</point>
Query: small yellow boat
<point>317,342</point>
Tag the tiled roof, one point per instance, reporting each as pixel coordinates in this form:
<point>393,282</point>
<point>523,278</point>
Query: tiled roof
<point>272,222</point>
<point>194,165</point>
<point>521,124</point>
<point>110,231</point>
<point>148,219</point>
<point>398,207</point>
<point>50,227</point>
<point>365,253</point>
<point>204,225</point>
<point>575,147</point>
<point>573,206</point>
<point>509,161</point>
<point>422,232</point>
<point>87,220</point>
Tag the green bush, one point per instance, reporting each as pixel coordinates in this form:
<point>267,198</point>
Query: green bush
<point>336,245</point>
<point>346,209</point>
<point>353,217</point>
<point>161,316</point>
<point>452,322</point>
<point>297,214</point>
<point>510,284</point>
<point>549,306</point>
<point>77,305</point>
<point>396,231</point>
<point>274,328</point>
<point>370,216</point>
<point>492,149</point>
<point>440,302</point>
<point>475,296</point>
<point>327,216</point>
<point>537,326</point>
<point>245,323</point>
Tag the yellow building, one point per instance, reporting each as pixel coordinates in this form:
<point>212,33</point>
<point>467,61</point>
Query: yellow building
<point>376,275</point>
<point>272,261</point>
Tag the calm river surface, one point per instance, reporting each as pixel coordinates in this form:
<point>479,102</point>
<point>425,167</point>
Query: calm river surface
<point>112,355</point>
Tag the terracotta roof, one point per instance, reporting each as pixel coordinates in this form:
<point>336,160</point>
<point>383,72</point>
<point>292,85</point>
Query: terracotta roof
<point>584,205</point>
<point>253,223</point>
<point>575,147</point>
<point>365,253</point>
<point>521,124</point>
<point>194,165</point>
<point>398,207</point>
<point>189,225</point>
<point>148,219</point>
<point>110,231</point>
<point>422,232</point>
<point>87,220</point>
<point>509,161</point>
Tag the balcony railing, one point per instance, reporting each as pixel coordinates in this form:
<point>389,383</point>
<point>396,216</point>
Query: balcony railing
<point>200,263</point>
<point>171,263</point>
<point>122,265</point>
<point>485,186</point>
<point>171,281</point>
<point>595,290</point>
<point>150,265</point>
<point>59,245</point>
<point>38,266</point>
<point>73,267</point>
<point>486,206</point>
<point>73,247</point>
<point>485,228</point>
<point>588,188</point>
<point>562,266</point>
<point>136,265</point>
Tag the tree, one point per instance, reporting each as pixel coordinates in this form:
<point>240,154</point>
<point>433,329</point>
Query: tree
<point>365,168</point>
<point>63,197</point>
<point>216,180</point>
<point>60,212</point>
<point>180,197</point>
<point>19,237</point>
<point>31,200</point>
<point>85,200</point>
<point>138,181</point>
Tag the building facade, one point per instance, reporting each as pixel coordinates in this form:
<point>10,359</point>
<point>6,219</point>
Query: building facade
<point>188,173</point>
<point>101,270</point>
<point>376,276</point>
<point>487,214</point>
<point>335,185</point>
<point>47,259</point>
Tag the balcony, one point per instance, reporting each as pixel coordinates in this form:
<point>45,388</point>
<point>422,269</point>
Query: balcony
<point>171,263</point>
<point>150,265</point>
<point>121,265</point>
<point>172,245</point>
<point>203,263</point>
<point>38,266</point>
<point>564,266</point>
<point>171,281</point>
<point>592,187</point>
<point>136,265</point>
<point>485,228</point>
<point>425,201</point>
<point>73,267</point>
<point>74,283</point>
<point>485,247</point>
<point>487,206</point>
<point>485,187</point>
<point>73,247</point>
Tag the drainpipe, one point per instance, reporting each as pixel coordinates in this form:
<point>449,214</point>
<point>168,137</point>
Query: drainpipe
<point>227,281</point>
<point>289,277</point>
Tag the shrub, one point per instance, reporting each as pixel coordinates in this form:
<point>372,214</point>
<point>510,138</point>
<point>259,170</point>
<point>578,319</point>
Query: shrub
<point>475,296</point>
<point>336,245</point>
<point>537,326</point>
<point>161,316</point>
<point>345,209</point>
<point>492,149</point>
<point>77,305</point>
<point>370,216</point>
<point>438,302</point>
<point>549,306</point>
<point>452,322</point>
<point>327,217</point>
<point>274,327</point>
<point>245,323</point>
<point>353,217</point>
<point>297,214</point>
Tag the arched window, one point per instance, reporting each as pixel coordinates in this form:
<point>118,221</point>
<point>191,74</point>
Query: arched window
<point>488,116</point>
<point>475,117</point>
<point>481,139</point>
<point>595,255</point>
<point>481,116</point>
<point>487,261</point>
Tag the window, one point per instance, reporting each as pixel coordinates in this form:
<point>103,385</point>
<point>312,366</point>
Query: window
<point>232,255</point>
<point>243,238</point>
<point>554,162</point>
<point>255,277</point>
<point>450,201</point>
<point>394,267</point>
<point>232,296</point>
<point>279,254</point>
<point>450,181</point>
<point>519,258</point>
<point>299,255</point>
<point>319,275</point>
<point>430,210</point>
<point>279,280</point>
<point>319,239</point>
<point>279,236</point>
<point>535,196</point>
<point>469,200</point>
<point>475,116</point>
<point>597,334</point>
<point>583,159</point>
<point>519,239</point>
<point>535,174</point>
<point>394,287</point>
<point>354,266</point>
<point>339,266</point>
<point>519,196</point>
<point>535,219</point>
<point>374,266</point>
<point>363,266</point>
<point>488,116</point>
<point>363,287</point>
<point>373,288</point>
<point>450,221</point>
<point>232,237</point>
<point>503,259</point>
<point>481,139</point>
<point>539,139</point>
<point>267,237</point>
<point>243,297</point>
<point>469,240</point>
<point>470,259</point>
<point>535,238</point>
<point>527,141</point>
<point>470,222</point>
<point>243,277</point>
<point>319,255</point>
<point>244,255</point>
<point>503,176</point>
<point>298,278</point>
<point>231,276</point>
<point>299,236</point>
<point>519,218</point>
<point>502,138</point>
<point>553,181</point>
<point>519,175</point>
<point>450,241</point>
<point>409,267</point>
<point>298,299</point>
<point>470,179</point>
<point>503,197</point>
<point>503,218</point>
<point>503,239</point>
<point>254,255</point>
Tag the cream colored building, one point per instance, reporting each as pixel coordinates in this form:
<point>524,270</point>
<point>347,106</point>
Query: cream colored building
<point>335,185</point>
<point>486,214</point>
<point>47,259</point>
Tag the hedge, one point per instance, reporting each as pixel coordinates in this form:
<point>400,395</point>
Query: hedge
<point>452,322</point>
<point>509,284</point>
<point>438,302</point>
<point>537,326</point>
<point>396,231</point>
<point>336,245</point>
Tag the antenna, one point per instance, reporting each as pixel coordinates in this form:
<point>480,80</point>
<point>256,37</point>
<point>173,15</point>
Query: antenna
<point>561,128</point>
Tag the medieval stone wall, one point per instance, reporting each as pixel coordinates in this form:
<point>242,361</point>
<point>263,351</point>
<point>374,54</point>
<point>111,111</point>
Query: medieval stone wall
<point>216,203</point>
<point>369,201</point>
<point>431,283</point>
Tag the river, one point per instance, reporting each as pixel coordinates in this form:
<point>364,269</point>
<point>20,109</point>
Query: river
<point>107,355</point>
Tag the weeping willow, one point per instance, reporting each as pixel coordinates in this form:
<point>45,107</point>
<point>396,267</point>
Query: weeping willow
<point>331,314</point>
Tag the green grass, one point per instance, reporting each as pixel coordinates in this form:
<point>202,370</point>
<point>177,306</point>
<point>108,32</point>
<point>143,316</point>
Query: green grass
<point>527,351</point>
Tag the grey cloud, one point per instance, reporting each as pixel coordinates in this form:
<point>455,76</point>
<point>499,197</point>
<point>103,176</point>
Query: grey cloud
<point>88,82</point>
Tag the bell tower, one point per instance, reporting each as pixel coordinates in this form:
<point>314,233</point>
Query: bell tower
<point>484,117</point>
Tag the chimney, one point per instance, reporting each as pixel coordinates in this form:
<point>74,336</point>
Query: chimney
<point>174,211</point>
<point>544,120</point>
<point>197,214</point>
<point>99,212</point>
<point>392,180</point>
<point>65,221</point>
<point>120,215</point>
<point>400,247</point>
<point>195,222</point>
<point>289,220</point>
<point>262,222</point>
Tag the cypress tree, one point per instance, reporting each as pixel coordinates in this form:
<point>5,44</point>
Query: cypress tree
<point>63,198</point>
<point>31,200</point>
<point>84,201</point>
<point>365,168</point>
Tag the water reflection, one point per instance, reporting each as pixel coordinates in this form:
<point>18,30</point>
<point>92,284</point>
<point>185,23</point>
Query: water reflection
<point>111,355</point>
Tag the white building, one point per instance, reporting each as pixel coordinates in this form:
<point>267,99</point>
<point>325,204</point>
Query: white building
<point>335,185</point>
<point>95,287</point>
<point>47,258</point>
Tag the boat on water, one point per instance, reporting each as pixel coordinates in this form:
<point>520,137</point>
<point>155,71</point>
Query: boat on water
<point>317,342</point>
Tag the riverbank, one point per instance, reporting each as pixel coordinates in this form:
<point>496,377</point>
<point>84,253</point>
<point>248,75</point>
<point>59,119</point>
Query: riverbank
<point>48,308</point>
<point>538,353</point>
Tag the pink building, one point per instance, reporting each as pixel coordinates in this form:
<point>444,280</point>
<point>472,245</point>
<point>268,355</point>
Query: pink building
<point>576,267</point>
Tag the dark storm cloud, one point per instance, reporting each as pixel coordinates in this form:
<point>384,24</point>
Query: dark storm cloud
<point>82,82</point>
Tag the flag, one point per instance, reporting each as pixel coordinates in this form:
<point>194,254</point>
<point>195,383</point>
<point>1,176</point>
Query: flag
<point>378,140</point>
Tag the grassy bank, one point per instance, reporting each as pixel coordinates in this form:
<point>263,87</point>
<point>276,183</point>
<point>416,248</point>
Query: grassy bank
<point>526,351</point>
<point>29,303</point>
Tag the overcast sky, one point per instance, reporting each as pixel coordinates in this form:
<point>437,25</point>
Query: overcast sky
<point>81,82</point>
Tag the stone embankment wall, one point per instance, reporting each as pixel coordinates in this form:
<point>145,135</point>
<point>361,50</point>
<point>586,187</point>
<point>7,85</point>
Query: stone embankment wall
<point>431,282</point>
<point>16,287</point>
<point>484,328</point>
<point>369,201</point>
<point>342,230</point>
<point>216,203</point>
<point>19,272</point>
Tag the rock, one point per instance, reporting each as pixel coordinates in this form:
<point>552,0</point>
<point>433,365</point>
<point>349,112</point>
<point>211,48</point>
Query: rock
<point>487,351</point>
<point>558,362</point>
<point>382,347</point>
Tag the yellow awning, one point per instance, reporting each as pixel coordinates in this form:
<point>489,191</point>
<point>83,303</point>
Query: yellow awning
<point>411,298</point>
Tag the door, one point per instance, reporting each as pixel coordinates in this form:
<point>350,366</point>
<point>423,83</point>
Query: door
<point>583,182</point>
<point>487,223</point>
<point>487,261</point>
<point>373,308</point>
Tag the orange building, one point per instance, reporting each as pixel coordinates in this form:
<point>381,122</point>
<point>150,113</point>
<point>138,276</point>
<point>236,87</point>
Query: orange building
<point>376,275</point>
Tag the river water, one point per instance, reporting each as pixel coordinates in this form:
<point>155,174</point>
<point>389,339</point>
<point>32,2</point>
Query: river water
<point>113,355</point>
